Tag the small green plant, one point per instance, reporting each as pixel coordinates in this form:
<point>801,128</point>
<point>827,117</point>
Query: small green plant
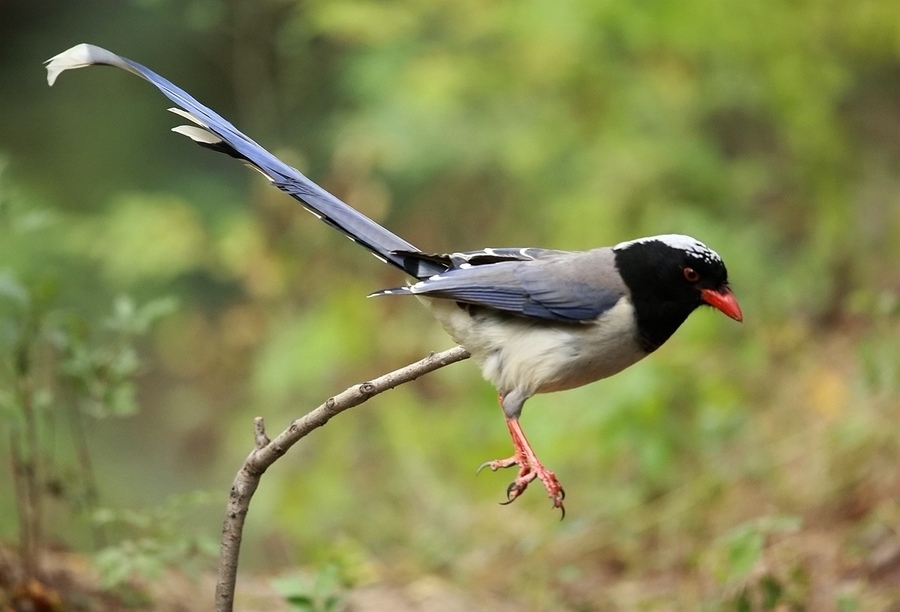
<point>58,368</point>
<point>753,577</point>
<point>324,593</point>
<point>149,541</point>
<point>102,372</point>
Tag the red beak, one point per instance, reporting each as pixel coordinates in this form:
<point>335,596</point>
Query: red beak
<point>724,300</point>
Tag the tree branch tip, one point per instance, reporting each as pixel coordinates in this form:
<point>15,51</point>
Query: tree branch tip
<point>259,433</point>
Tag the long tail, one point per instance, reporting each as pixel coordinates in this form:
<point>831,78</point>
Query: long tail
<point>214,132</point>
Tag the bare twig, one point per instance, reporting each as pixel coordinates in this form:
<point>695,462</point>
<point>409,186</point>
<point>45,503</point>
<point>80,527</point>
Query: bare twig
<point>266,452</point>
<point>28,470</point>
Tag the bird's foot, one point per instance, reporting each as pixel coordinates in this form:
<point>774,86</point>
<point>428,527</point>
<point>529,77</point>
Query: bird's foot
<point>499,464</point>
<point>528,471</point>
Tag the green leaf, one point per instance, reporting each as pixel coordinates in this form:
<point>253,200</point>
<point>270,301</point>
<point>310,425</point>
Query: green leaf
<point>744,551</point>
<point>772,591</point>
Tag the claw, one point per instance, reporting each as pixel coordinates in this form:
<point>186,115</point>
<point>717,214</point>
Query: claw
<point>513,486</point>
<point>554,491</point>
<point>512,493</point>
<point>530,468</point>
<point>527,474</point>
<point>498,464</point>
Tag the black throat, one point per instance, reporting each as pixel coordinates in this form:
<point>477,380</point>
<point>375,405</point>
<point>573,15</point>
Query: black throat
<point>660,305</point>
<point>656,320</point>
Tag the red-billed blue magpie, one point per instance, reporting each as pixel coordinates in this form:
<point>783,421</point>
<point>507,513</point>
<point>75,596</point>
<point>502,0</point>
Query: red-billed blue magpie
<point>535,320</point>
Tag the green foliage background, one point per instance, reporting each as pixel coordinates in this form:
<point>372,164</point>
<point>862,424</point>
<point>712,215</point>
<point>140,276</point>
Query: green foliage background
<point>770,130</point>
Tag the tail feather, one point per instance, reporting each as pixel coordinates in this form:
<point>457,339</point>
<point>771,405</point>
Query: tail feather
<point>212,131</point>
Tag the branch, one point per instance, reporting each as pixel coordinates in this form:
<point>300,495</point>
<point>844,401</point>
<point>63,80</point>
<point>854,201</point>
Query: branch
<point>267,452</point>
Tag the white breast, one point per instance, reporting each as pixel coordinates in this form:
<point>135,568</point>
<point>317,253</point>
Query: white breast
<point>538,356</point>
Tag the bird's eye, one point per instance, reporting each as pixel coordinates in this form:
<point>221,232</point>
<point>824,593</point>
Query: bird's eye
<point>691,275</point>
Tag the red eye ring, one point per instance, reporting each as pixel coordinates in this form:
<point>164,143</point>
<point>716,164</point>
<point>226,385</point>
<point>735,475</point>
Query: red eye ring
<point>691,275</point>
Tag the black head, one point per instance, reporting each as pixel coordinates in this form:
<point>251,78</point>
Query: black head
<point>669,276</point>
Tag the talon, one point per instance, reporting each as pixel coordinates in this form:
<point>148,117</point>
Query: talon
<point>530,469</point>
<point>513,491</point>
<point>513,486</point>
<point>557,500</point>
<point>498,464</point>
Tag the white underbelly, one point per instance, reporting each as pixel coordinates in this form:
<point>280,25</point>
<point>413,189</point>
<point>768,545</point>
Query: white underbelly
<point>538,356</point>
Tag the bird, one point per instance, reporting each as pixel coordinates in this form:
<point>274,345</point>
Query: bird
<point>534,320</point>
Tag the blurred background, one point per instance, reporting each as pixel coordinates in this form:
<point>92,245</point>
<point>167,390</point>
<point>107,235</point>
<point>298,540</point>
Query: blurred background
<point>752,466</point>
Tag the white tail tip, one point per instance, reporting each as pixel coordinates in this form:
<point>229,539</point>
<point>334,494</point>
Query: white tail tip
<point>80,56</point>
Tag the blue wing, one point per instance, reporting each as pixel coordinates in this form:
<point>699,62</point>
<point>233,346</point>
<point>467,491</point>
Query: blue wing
<point>543,289</point>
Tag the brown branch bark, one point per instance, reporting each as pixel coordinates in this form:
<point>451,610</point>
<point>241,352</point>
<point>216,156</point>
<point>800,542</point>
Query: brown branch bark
<point>267,452</point>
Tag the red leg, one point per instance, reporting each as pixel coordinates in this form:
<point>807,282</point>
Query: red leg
<point>530,467</point>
